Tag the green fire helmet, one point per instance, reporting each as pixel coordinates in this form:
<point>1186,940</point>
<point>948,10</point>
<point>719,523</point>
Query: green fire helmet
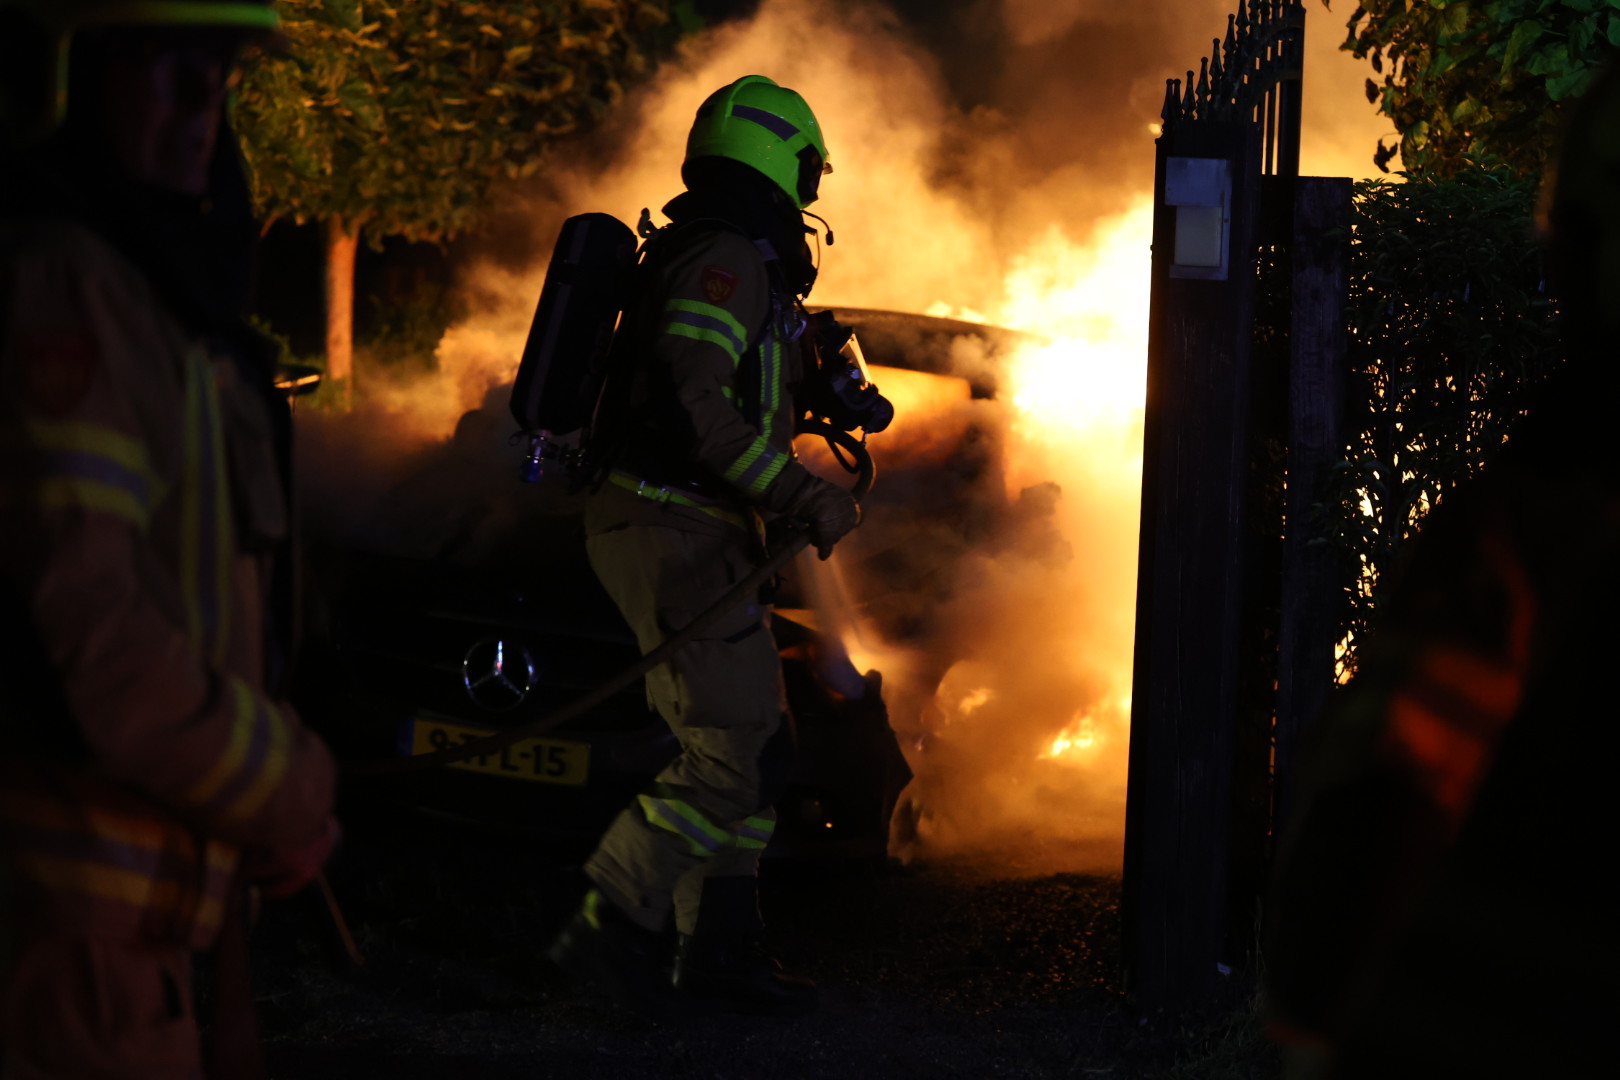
<point>767,127</point>
<point>36,39</point>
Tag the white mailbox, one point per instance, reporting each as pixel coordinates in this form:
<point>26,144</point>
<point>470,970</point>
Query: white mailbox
<point>1201,191</point>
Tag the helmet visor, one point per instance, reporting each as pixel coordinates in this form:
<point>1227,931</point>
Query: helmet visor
<point>812,167</point>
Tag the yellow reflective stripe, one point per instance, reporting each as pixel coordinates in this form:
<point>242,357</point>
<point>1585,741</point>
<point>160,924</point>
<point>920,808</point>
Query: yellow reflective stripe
<point>93,467</point>
<point>754,833</point>
<point>77,875</point>
<point>76,435</point>
<point>65,874</point>
<point>236,747</point>
<point>703,333</point>
<point>770,390</point>
<point>206,543</point>
<point>720,314</point>
<point>253,762</point>
<point>223,541</point>
<point>191,497</point>
<point>684,820</point>
<point>66,492</point>
<point>756,467</point>
<point>47,813</point>
<point>272,767</point>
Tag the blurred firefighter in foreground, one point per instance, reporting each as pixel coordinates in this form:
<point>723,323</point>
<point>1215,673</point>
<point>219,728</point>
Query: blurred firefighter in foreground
<point>709,419</point>
<point>147,774</point>
<point>1442,905</point>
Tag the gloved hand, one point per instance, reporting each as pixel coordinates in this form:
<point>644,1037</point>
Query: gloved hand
<point>282,871</point>
<point>828,510</point>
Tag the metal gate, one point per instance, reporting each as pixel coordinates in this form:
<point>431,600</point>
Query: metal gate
<point>1234,633</point>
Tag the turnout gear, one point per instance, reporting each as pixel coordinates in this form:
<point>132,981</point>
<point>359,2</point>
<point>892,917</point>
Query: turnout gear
<point>829,512</point>
<point>767,127</point>
<point>705,417</point>
<point>601,947</point>
<point>148,768</point>
<point>709,810</point>
<point>145,510</point>
<point>723,961</point>
<point>734,971</point>
<point>145,507</point>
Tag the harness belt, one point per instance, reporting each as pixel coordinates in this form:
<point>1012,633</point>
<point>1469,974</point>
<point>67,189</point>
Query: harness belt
<point>664,493</point>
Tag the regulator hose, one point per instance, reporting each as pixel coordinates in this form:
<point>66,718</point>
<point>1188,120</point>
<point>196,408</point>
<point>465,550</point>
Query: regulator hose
<point>748,587</point>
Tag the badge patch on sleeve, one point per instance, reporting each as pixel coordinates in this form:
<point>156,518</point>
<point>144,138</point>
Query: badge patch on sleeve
<point>58,367</point>
<point>718,284</point>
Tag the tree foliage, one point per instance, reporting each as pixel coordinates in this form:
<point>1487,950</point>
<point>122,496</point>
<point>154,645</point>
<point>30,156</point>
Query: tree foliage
<point>1450,327</point>
<point>400,115</point>
<point>1485,80</point>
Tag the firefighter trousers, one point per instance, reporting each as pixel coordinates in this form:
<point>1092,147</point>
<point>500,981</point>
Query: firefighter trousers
<point>708,814</point>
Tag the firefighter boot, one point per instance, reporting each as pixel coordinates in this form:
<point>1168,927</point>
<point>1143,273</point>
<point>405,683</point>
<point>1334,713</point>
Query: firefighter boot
<point>601,947</point>
<point>733,971</point>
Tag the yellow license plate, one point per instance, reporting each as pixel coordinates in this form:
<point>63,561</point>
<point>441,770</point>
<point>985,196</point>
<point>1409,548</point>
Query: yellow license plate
<point>549,761</point>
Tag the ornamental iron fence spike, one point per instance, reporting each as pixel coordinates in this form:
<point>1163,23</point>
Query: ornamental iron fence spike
<point>1171,110</point>
<point>1203,85</point>
<point>1216,72</point>
<point>1188,103</point>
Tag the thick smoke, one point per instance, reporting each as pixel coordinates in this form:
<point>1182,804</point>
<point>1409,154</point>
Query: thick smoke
<point>993,161</point>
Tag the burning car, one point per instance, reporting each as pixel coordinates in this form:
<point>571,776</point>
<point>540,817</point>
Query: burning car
<point>450,601</point>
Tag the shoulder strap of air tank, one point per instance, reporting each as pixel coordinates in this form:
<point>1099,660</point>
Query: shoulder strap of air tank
<point>656,237</point>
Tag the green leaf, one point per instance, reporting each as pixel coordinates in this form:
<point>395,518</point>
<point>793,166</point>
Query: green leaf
<point>1582,35</point>
<point>1549,59</point>
<point>1570,83</point>
<point>1524,34</point>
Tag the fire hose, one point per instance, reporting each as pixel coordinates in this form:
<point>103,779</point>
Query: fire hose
<point>861,465</point>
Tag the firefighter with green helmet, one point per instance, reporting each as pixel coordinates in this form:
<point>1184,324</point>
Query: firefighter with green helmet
<point>149,771</point>
<point>707,422</point>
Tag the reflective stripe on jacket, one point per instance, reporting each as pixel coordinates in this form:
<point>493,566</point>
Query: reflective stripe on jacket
<point>714,390</point>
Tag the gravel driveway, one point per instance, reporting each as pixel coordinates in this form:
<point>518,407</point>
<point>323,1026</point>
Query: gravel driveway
<point>935,971</point>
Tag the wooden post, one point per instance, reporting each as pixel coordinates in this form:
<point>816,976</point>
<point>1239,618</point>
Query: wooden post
<point>1189,592</point>
<point>1317,341</point>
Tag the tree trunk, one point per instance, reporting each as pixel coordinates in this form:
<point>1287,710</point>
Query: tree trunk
<point>341,244</point>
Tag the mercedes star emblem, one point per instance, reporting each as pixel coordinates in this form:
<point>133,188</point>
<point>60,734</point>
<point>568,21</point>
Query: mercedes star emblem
<point>498,674</point>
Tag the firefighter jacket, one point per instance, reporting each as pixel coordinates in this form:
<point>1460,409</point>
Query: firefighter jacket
<point>1439,906</point>
<point>144,505</point>
<point>712,406</point>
